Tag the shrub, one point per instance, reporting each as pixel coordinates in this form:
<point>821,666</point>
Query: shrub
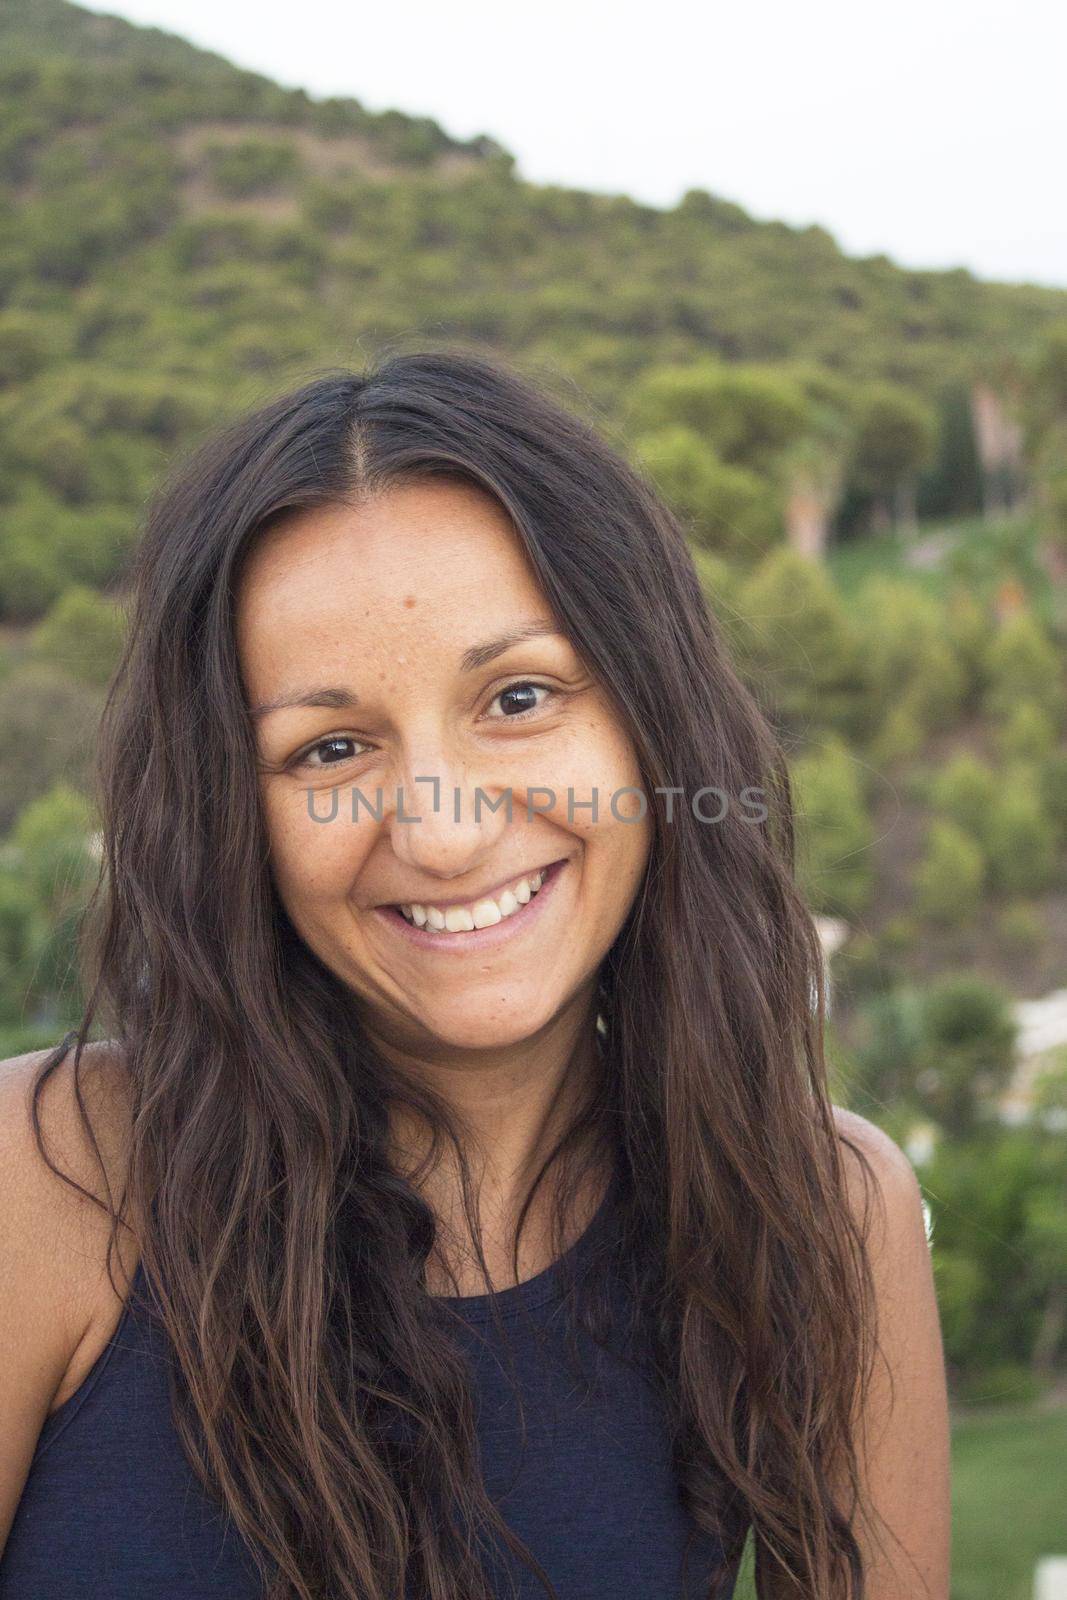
<point>907,657</point>
<point>966,792</point>
<point>31,577</point>
<point>889,1041</point>
<point>948,881</point>
<point>82,635</point>
<point>251,166</point>
<point>1052,784</point>
<point>799,644</point>
<point>1021,926</point>
<point>969,627</point>
<point>859,967</point>
<point>834,832</point>
<point>26,344</point>
<point>968,1049</point>
<point>727,509</point>
<point>48,546</point>
<point>50,855</point>
<point>1021,838</point>
<point>1028,733</point>
<point>747,416</point>
<point>902,734</point>
<point>48,725</point>
<point>1022,665</point>
<point>899,935</point>
<point>51,838</point>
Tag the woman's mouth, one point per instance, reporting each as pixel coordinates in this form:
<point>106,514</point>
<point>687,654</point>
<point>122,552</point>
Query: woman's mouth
<point>481,924</point>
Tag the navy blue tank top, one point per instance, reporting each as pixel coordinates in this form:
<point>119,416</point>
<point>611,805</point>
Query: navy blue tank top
<point>111,1510</point>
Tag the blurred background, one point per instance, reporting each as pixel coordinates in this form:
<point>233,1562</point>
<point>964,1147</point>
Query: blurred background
<point>811,276</point>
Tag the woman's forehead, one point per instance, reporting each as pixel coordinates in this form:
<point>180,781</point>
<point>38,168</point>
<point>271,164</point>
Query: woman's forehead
<point>421,539</point>
<point>336,589</point>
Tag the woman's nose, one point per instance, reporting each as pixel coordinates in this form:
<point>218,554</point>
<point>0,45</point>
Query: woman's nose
<point>444,816</point>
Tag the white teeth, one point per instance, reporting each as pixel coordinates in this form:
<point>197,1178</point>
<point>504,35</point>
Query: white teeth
<point>483,913</point>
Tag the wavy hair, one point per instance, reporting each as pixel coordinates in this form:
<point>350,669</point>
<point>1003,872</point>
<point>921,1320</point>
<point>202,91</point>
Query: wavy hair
<point>318,1393</point>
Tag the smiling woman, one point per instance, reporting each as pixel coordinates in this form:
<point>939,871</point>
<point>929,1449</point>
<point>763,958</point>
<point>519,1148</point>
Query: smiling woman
<point>446,735</point>
<point>483,1218</point>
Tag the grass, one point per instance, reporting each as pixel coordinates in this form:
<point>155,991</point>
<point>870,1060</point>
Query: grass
<point>1009,1503</point>
<point>982,555</point>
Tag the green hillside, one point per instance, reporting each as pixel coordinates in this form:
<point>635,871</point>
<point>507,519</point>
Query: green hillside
<point>178,236</point>
<point>160,201</point>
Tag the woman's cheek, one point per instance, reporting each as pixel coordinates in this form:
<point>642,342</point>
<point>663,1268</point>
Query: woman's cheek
<point>315,847</point>
<point>601,766</point>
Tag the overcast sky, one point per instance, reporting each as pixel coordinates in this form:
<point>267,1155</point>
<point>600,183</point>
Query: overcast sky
<point>932,130</point>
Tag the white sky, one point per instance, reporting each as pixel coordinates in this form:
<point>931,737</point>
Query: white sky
<point>932,130</point>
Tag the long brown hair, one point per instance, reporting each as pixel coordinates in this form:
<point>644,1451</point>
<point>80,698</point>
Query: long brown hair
<point>321,1397</point>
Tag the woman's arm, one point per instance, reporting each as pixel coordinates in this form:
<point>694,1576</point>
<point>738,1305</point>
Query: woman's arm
<point>57,1306</point>
<point>904,1445</point>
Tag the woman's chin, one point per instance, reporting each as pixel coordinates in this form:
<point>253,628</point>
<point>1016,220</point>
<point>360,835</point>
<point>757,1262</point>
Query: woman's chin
<point>485,1028</point>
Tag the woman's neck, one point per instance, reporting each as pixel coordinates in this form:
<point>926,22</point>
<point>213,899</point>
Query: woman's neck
<point>511,1108</point>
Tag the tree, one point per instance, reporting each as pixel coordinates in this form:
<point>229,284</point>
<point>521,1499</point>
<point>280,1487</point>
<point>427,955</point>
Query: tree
<point>948,880</point>
<point>1047,1213</point>
<point>906,654</point>
<point>47,871</point>
<point>82,635</point>
<point>815,464</point>
<point>1021,836</point>
<point>48,725</point>
<point>895,438</point>
<point>967,1052</point>
<point>747,414</point>
<point>726,509</point>
<point>996,1201</point>
<point>965,792</point>
<point>889,1039</point>
<point>834,832</point>
<point>1023,664</point>
<point>800,646</point>
<point>1028,734</point>
<point>251,166</point>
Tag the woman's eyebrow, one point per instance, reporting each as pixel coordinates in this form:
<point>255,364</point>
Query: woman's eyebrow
<point>335,697</point>
<point>479,655</point>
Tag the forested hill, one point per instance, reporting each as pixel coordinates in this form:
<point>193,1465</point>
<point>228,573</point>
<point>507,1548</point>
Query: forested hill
<point>164,208</point>
<point>179,236</point>
<point>172,81</point>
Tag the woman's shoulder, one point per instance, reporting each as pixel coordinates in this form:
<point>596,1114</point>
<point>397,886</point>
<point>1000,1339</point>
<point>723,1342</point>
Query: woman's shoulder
<point>71,1111</point>
<point>54,1236</point>
<point>882,1188</point>
<point>866,1146</point>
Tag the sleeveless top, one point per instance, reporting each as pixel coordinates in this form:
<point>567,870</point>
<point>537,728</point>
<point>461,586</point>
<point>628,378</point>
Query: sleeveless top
<point>111,1509</point>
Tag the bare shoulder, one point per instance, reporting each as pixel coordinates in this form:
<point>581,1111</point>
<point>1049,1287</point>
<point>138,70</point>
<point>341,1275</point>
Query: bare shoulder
<point>74,1111</point>
<point>880,1178</point>
<point>904,1432</point>
<point>54,1185</point>
<point>872,1140</point>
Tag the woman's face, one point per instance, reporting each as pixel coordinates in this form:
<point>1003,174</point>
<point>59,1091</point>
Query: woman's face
<point>394,633</point>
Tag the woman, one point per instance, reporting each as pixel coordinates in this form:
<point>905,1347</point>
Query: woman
<point>459,1129</point>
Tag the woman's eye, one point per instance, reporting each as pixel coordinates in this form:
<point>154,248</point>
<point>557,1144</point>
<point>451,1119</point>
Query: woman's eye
<point>519,700</point>
<point>334,747</point>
